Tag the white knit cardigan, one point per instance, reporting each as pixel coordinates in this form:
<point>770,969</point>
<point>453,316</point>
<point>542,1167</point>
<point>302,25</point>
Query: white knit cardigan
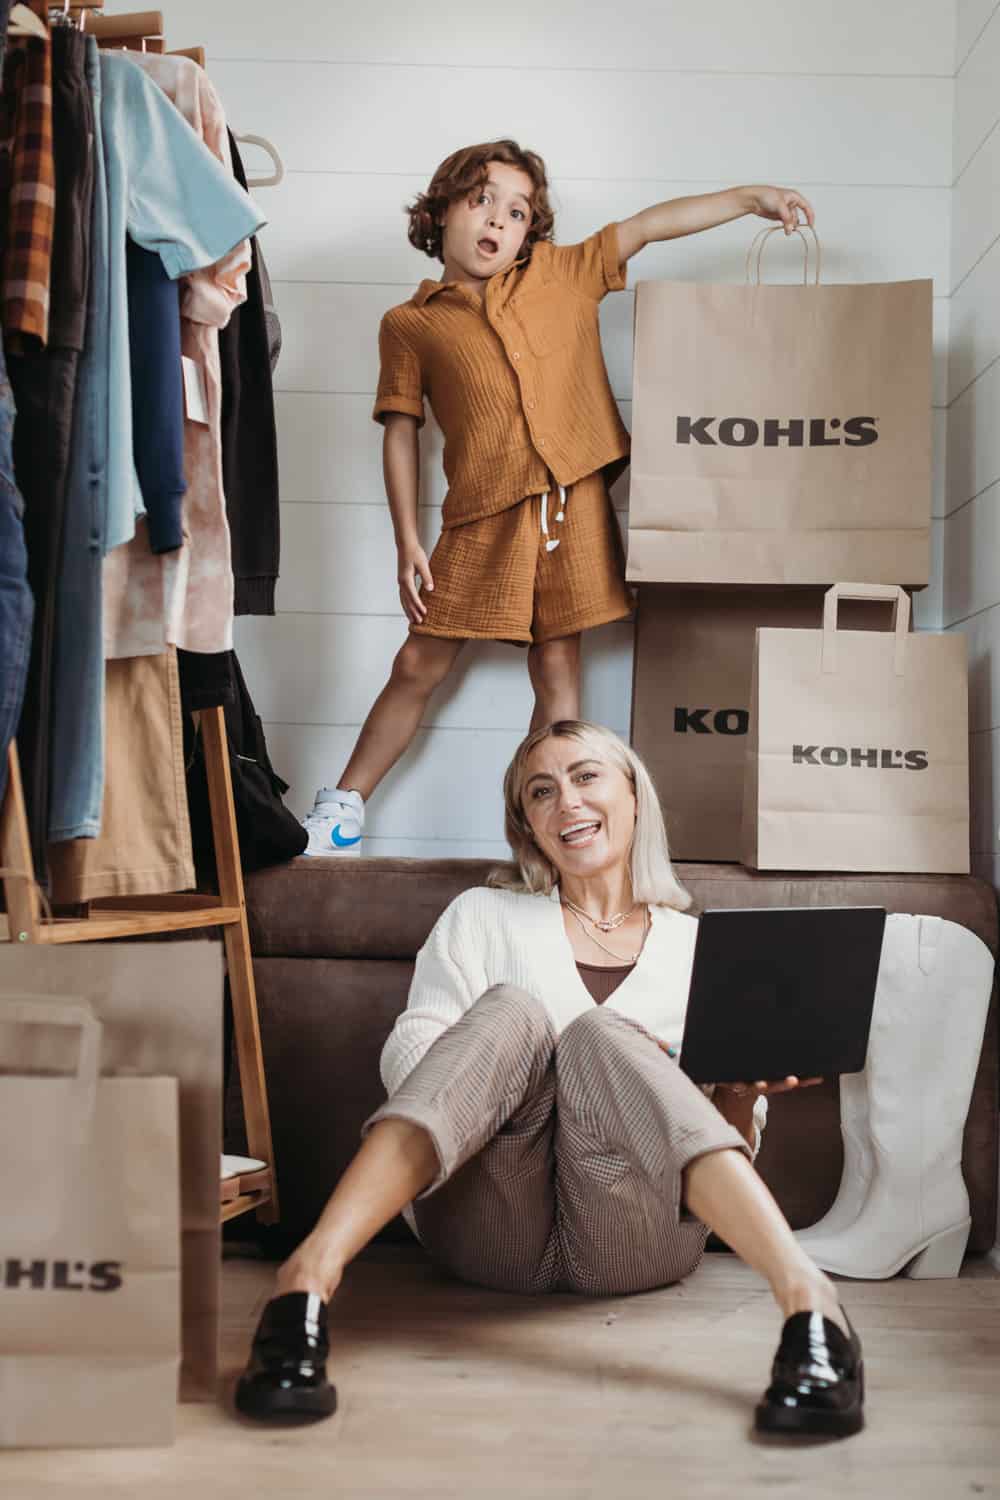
<point>487,937</point>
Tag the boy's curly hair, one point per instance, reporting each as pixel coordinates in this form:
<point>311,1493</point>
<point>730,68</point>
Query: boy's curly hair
<point>459,175</point>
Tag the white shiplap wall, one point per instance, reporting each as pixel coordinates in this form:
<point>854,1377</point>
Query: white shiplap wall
<point>852,103</point>
<point>971,593</point>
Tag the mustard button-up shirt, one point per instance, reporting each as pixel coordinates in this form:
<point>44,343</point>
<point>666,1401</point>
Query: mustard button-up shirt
<point>516,380</point>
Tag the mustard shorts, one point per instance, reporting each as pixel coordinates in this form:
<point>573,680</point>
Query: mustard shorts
<point>524,576</point>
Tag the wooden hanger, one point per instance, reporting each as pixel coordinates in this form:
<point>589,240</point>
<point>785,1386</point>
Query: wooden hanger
<point>196,54</point>
<point>139,31</point>
<point>134,23</point>
<point>24,22</point>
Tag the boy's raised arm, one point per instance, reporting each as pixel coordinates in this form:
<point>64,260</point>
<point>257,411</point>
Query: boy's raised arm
<point>680,216</point>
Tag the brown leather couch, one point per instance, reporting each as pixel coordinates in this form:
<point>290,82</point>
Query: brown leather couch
<point>334,943</point>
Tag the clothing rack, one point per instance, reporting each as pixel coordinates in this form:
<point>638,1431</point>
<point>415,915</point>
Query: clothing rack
<point>141,916</point>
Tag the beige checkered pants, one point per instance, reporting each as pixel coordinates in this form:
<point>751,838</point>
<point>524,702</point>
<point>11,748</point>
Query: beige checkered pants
<point>561,1158</point>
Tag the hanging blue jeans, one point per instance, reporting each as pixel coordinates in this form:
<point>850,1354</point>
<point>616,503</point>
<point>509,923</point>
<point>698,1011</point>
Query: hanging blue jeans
<point>77,753</point>
<point>16,604</point>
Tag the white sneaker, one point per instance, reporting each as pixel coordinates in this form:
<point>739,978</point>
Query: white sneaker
<point>335,823</point>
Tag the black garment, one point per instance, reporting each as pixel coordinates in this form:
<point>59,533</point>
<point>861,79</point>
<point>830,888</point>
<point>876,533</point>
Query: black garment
<point>44,386</point>
<point>268,832</point>
<point>272,322</point>
<point>154,338</point>
<point>73,150</point>
<point>250,443</point>
<point>206,679</point>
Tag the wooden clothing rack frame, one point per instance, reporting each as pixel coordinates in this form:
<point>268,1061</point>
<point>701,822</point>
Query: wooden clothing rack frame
<point>140,916</point>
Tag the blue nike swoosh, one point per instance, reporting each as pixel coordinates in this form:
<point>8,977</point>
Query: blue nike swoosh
<point>339,842</point>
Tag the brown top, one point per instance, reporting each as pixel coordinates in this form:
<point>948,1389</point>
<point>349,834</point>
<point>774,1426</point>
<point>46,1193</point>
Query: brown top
<point>516,379</point>
<point>602,982</point>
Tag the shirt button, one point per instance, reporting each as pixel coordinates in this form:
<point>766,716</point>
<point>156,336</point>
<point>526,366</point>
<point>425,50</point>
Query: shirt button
<point>515,356</point>
<point>541,442</point>
<point>531,405</point>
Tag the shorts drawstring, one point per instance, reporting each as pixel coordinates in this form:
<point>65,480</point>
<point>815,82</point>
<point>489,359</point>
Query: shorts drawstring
<point>552,544</point>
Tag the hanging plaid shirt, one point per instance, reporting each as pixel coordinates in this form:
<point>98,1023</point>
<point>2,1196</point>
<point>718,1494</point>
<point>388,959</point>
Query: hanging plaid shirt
<point>27,189</point>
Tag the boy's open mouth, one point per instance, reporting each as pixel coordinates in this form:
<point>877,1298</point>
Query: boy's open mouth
<point>487,246</point>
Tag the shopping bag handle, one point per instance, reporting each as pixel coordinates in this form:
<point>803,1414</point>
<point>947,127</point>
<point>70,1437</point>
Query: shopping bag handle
<point>889,593</point>
<point>43,1010</point>
<point>761,238</point>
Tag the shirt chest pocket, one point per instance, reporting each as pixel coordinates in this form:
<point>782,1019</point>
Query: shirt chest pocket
<point>551,319</point>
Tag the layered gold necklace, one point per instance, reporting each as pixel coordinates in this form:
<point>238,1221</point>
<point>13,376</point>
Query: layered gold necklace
<point>609,925</point>
<point>606,924</point>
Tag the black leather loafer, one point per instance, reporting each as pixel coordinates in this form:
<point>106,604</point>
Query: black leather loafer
<point>817,1380</point>
<point>286,1373</point>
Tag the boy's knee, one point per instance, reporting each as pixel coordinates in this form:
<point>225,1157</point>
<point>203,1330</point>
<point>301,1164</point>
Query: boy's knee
<point>422,665</point>
<point>554,661</point>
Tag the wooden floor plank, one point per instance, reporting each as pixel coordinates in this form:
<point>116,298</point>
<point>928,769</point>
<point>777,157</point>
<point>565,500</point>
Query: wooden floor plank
<point>448,1392</point>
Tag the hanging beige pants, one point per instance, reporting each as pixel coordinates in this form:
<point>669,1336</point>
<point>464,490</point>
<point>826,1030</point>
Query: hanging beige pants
<point>560,1158</point>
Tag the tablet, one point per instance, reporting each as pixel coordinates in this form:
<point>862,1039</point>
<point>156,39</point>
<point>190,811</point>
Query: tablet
<point>781,990</point>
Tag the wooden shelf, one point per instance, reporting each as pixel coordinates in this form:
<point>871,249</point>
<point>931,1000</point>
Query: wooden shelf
<point>123,924</point>
<point>243,1205</point>
<point>141,916</point>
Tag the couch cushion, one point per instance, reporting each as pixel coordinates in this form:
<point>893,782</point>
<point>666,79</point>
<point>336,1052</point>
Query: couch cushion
<point>353,908</point>
<point>384,908</point>
<point>960,898</point>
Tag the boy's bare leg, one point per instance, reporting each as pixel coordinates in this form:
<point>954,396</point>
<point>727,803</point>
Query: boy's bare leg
<point>422,663</point>
<point>554,669</point>
<point>724,1192</point>
<point>394,1163</point>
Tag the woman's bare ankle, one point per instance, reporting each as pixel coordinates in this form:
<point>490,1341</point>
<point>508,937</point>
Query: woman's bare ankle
<point>306,1272</point>
<point>812,1293</point>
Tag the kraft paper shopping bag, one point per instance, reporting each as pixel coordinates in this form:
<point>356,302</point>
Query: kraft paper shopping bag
<point>857,756</point>
<point>161,1007</point>
<point>90,1267</point>
<point>781,434</point>
<point>691,698</point>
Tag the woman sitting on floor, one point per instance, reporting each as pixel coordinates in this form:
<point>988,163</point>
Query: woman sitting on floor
<point>538,1132</point>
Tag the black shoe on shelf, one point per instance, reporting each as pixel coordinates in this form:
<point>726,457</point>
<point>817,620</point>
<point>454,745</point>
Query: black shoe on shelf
<point>817,1380</point>
<point>286,1373</point>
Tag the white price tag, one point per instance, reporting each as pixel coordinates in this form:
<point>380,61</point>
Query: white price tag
<point>195,395</point>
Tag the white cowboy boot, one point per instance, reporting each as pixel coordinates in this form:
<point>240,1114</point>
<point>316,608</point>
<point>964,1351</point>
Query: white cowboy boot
<point>859,1159</point>
<point>926,1037</point>
<point>859,1164</point>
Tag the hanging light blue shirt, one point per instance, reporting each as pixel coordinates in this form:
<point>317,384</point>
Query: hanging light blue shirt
<point>166,190</point>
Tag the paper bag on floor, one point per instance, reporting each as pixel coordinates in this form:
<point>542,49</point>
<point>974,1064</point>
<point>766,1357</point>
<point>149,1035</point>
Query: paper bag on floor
<point>90,1285</point>
<point>161,1007</point>
<point>857,757</point>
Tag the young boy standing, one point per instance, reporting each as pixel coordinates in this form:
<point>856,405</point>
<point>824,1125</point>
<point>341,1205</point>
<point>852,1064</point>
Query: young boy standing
<point>506,349</point>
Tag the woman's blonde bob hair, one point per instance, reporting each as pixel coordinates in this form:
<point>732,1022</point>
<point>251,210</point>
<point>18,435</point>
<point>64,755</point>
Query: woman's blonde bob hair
<point>650,870</point>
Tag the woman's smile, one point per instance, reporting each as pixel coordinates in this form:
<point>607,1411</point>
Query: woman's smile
<point>580,833</point>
